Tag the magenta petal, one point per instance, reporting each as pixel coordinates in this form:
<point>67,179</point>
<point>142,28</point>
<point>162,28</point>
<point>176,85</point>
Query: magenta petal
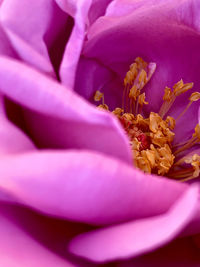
<point>145,30</point>
<point>74,45</point>
<point>63,119</point>
<point>97,9</point>
<point>18,248</point>
<point>86,187</point>
<point>135,238</point>
<point>5,45</point>
<point>12,139</point>
<point>30,31</point>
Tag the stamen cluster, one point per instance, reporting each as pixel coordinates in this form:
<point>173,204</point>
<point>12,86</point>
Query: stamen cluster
<point>151,138</point>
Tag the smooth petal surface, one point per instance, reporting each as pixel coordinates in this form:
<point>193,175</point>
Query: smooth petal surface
<point>134,238</point>
<point>86,187</point>
<point>61,119</point>
<point>145,30</point>
<point>18,248</point>
<point>97,9</point>
<point>74,46</point>
<point>34,31</point>
<point>5,45</point>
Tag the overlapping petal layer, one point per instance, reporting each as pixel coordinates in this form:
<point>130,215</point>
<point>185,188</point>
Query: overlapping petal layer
<point>12,139</point>
<point>34,33</point>
<point>18,248</point>
<point>86,186</point>
<point>92,179</point>
<point>61,119</point>
<point>135,238</point>
<point>159,32</point>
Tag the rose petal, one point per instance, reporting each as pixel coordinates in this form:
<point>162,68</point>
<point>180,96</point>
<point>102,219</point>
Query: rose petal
<point>74,46</point>
<point>97,9</point>
<point>146,31</point>
<point>86,187</point>
<point>5,45</point>
<point>68,121</point>
<point>30,32</point>
<point>12,139</point>
<point>135,238</point>
<point>89,79</point>
<point>18,248</point>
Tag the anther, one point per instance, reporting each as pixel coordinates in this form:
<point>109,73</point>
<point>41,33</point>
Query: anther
<point>193,98</point>
<point>151,138</point>
<point>170,96</point>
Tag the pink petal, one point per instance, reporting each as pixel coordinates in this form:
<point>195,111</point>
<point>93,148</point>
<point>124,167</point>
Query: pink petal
<point>86,187</point>
<point>18,248</point>
<point>73,48</point>
<point>145,30</point>
<point>61,118</point>
<point>34,31</point>
<point>5,45</point>
<point>97,77</point>
<point>97,9</point>
<point>12,139</point>
<point>135,238</point>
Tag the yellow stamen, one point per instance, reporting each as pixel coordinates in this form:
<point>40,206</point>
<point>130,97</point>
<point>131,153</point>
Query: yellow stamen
<point>151,138</point>
<point>170,96</point>
<point>103,106</point>
<point>141,101</point>
<point>99,96</point>
<point>195,139</point>
<point>136,78</point>
<point>180,87</point>
<point>187,174</point>
<point>171,122</point>
<point>193,98</point>
<point>118,112</point>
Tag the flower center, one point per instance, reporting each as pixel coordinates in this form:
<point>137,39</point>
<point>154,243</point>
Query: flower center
<point>151,138</point>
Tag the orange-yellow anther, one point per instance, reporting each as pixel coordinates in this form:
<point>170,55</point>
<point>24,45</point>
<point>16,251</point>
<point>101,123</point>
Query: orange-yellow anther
<point>103,106</point>
<point>171,122</point>
<point>134,92</point>
<point>143,77</point>
<point>134,71</point>
<point>168,94</point>
<point>141,63</point>
<point>194,96</point>
<point>141,99</point>
<point>195,162</point>
<point>98,96</point>
<point>131,75</point>
<point>155,120</point>
<point>180,87</point>
<point>151,138</point>
<point>117,112</point>
<point>197,132</point>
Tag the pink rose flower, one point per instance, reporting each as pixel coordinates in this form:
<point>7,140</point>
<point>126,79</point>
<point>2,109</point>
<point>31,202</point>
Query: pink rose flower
<point>70,194</point>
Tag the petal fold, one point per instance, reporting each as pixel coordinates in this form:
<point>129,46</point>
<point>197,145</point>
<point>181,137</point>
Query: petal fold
<point>18,248</point>
<point>34,31</point>
<point>61,119</point>
<point>73,48</point>
<point>138,237</point>
<point>85,186</point>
